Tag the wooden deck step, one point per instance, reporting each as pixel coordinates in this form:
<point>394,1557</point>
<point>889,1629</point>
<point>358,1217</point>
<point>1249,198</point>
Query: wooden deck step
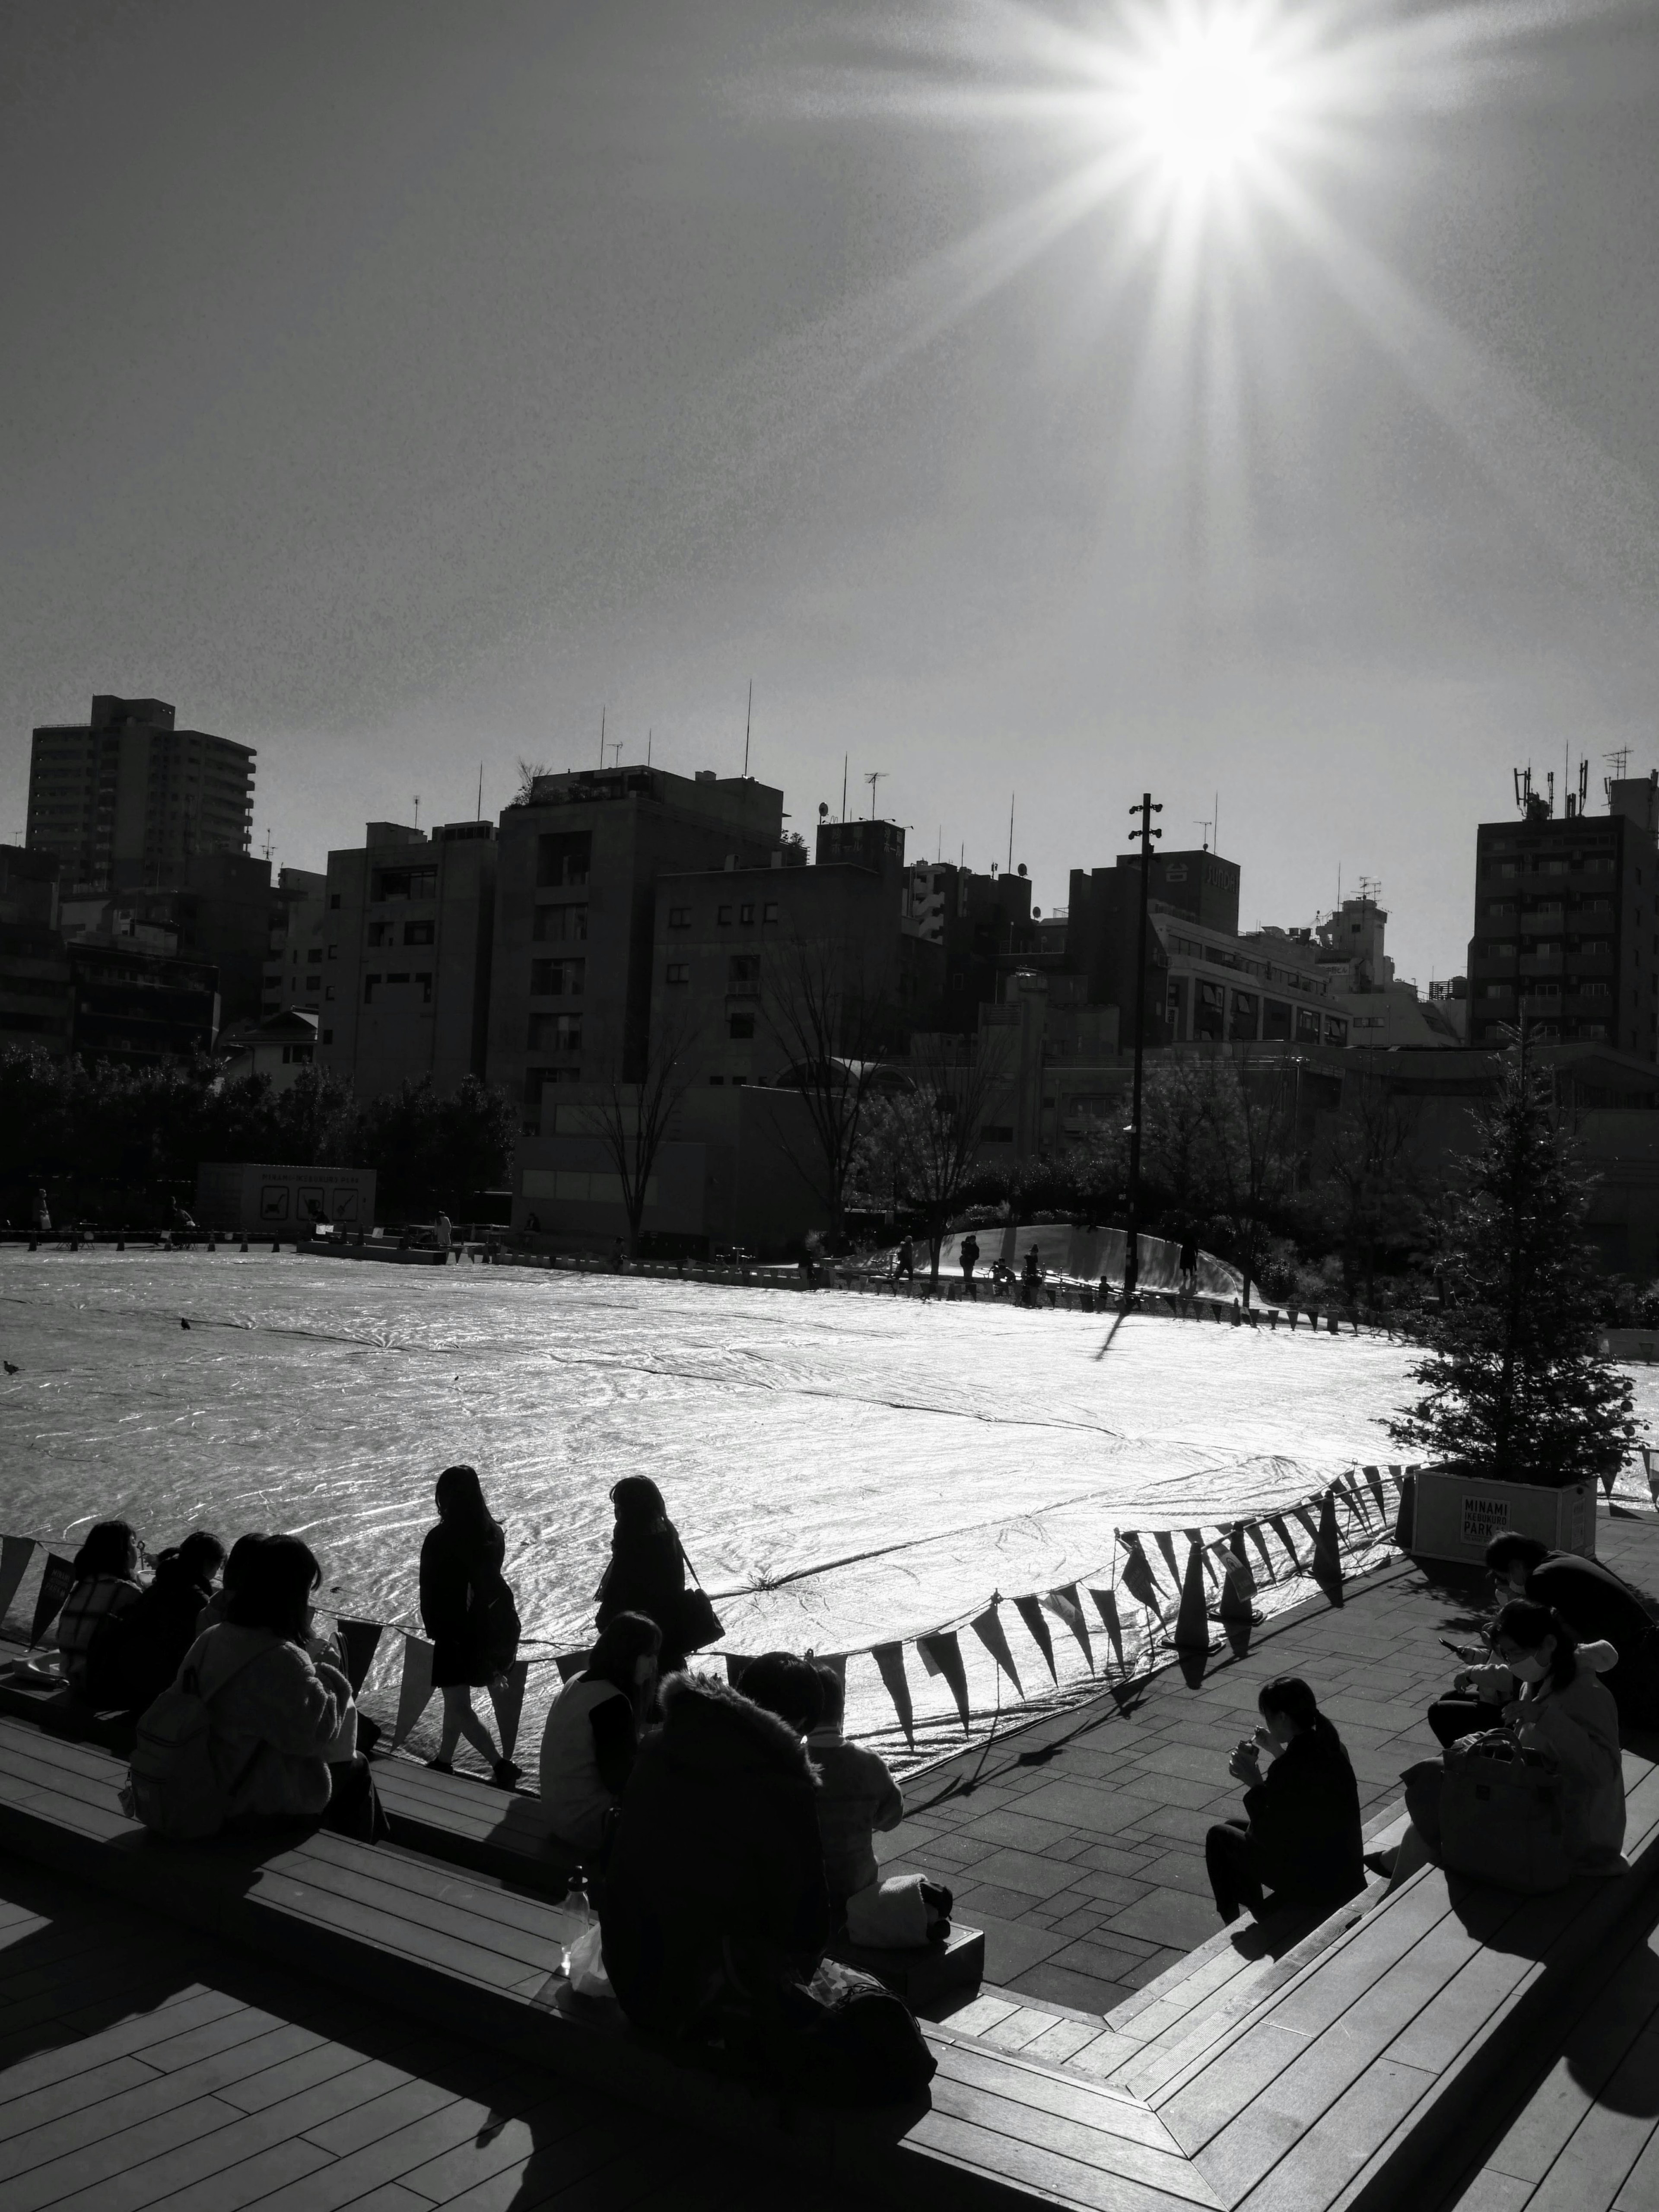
<point>471,1823</point>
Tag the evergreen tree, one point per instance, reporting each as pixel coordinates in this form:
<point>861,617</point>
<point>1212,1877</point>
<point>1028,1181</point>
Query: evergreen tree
<point>1514,1387</point>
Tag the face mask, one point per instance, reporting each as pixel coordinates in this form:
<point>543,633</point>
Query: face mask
<point>1527,1670</point>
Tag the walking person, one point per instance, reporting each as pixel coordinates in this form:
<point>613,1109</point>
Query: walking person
<point>646,1573</point>
<point>468,1613</point>
<point>1033,1284</point>
<point>904,1262</point>
<point>1301,1837</point>
<point>1189,1263</point>
<point>968,1252</point>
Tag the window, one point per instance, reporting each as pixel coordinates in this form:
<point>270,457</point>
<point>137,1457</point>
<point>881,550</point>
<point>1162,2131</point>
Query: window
<point>1589,986</point>
<point>379,932</point>
<point>1244,1021</point>
<point>561,925</point>
<point>742,969</point>
<point>746,911</point>
<point>1554,867</point>
<point>420,932</point>
<point>678,971</point>
<point>769,911</point>
<point>328,993</point>
<point>1600,947</point>
<point>296,1055</point>
<point>740,1025</point>
<point>328,1037</point>
<point>564,857</point>
<point>557,978</point>
<point>1500,910</point>
<point>333,951</point>
<point>401,978</point>
<point>334,898</point>
<point>406,883</point>
<point>1498,948</point>
<point>371,985</point>
<point>723,917</point>
<point>679,917</point>
<point>718,1081</point>
<point>1600,864</point>
<point>1336,1029</point>
<point>556,1033</point>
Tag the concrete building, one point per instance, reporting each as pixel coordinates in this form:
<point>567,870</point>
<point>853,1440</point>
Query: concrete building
<point>407,934</point>
<point>1102,922</point>
<point>1344,952</point>
<point>292,973</point>
<point>576,914</point>
<point>133,1002</point>
<point>125,799</point>
<point>1566,923</point>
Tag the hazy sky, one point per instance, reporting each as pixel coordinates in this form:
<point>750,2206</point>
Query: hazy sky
<point>392,386</point>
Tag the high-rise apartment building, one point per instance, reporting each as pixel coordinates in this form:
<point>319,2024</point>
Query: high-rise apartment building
<point>407,933</point>
<point>294,964</point>
<point>126,800</point>
<point>1566,923</point>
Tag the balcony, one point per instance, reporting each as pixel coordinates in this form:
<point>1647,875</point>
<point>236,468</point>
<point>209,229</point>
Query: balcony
<point>1547,962</point>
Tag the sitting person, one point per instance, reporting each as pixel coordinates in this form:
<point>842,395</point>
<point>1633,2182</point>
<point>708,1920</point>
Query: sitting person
<point>136,1652</point>
<point>592,1732</point>
<point>282,1728</point>
<point>715,1896</point>
<point>1564,1710</point>
<point>1599,1607</point>
<point>857,1798</point>
<point>235,1566</point>
<point>106,1583</point>
<point>1302,1838</point>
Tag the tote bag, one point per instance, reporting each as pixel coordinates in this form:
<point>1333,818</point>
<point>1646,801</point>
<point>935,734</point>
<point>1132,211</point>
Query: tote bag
<point>1503,1816</point>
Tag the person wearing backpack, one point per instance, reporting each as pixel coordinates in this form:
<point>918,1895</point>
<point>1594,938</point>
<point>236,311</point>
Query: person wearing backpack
<point>468,1613</point>
<point>280,1726</point>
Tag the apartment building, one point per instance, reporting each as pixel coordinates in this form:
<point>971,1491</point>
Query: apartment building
<point>406,945</point>
<point>125,799</point>
<point>292,980</point>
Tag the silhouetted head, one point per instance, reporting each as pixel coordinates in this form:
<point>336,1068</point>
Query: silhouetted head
<point>461,1503</point>
<point>785,1686</point>
<point>110,1547</point>
<point>273,1590</point>
<point>834,1706</point>
<point>1512,1558</point>
<point>1533,1642</point>
<point>638,1504</point>
<point>1289,1709</point>
<point>625,1654</point>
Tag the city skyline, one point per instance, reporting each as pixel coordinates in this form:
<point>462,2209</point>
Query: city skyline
<point>431,395</point>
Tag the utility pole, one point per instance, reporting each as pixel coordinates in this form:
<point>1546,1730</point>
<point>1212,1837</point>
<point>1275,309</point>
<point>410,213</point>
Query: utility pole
<point>1143,837</point>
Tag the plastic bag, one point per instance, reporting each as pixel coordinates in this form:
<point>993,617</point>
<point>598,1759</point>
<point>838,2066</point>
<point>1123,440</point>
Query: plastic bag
<point>583,1964</point>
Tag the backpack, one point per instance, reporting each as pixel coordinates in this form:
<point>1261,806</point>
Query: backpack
<point>172,1786</point>
<point>844,2039</point>
<point>1502,1816</point>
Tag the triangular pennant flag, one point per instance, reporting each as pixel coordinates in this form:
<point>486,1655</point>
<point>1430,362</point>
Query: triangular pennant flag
<point>56,1584</point>
<point>1166,1543</point>
<point>508,1702</point>
<point>1253,1530</point>
<point>1276,1524</point>
<point>1030,1611</point>
<point>15,1553</point>
<point>415,1691</point>
<point>890,1661</point>
<point>1647,1456</point>
<point>1106,1606</point>
<point>1192,1628</point>
<point>359,1641</point>
<point>1306,1518</point>
<point>572,1663</point>
<point>941,1654</point>
<point>735,1664</point>
<point>1374,1484</point>
<point>1354,1498</point>
<point>1196,1536</point>
<point>1065,1605</point>
<point>1610,1476</point>
<point>989,1629</point>
<point>1138,1578</point>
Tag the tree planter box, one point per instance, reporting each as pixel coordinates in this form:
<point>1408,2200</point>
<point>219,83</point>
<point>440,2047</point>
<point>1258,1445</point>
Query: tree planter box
<point>1446,1514</point>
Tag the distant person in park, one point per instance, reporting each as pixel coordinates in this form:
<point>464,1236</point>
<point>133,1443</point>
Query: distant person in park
<point>968,1253</point>
<point>715,1901</point>
<point>1189,1263</point>
<point>105,1570</point>
<point>1564,1710</point>
<point>904,1260</point>
<point>284,1727</point>
<point>1300,1845</point>
<point>1033,1281</point>
<point>646,1572</point>
<point>858,1799</point>
<point>446,1232</point>
<point>136,1652</point>
<point>468,1613</point>
<point>41,1219</point>
<point>1599,1607</point>
<point>592,1733</point>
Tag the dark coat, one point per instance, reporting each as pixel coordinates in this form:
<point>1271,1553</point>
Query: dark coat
<point>466,1606</point>
<point>647,1574</point>
<point>136,1655</point>
<point>1601,1607</point>
<point>714,1892</point>
<point>1304,1822</point>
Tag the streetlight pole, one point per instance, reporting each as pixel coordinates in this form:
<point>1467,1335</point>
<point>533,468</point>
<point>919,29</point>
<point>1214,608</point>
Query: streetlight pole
<point>1143,837</point>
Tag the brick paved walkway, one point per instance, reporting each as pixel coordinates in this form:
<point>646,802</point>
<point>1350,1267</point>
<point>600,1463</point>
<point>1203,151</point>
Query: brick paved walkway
<point>1081,1850</point>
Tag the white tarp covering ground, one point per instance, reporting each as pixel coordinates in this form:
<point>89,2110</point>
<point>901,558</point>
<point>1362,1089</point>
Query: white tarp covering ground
<point>898,1461</point>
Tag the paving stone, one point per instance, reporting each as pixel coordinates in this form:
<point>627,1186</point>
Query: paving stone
<point>1067,1986</point>
<point>1032,1875</point>
<point>1172,1917</point>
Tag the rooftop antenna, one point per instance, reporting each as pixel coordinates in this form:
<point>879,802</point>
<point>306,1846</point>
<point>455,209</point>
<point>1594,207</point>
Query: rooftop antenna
<point>748,723</point>
<point>647,748</point>
<point>479,816</point>
<point>418,810</point>
<point>617,748</point>
<point>602,739</point>
<point>1206,825</point>
<point>841,816</point>
<point>872,779</point>
<point>1215,821</point>
<point>1011,832</point>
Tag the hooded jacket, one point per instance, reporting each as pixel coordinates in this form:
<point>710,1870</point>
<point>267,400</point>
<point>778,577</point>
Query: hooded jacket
<point>279,1722</point>
<point>714,1890</point>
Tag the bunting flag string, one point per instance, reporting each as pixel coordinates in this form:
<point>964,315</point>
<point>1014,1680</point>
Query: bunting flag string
<point>1276,1524</point>
<point>1106,1606</point>
<point>359,1642</point>
<point>415,1690</point>
<point>1138,1578</point>
<point>1030,1611</point>
<point>1374,1484</point>
<point>1066,1606</point>
<point>889,1664</point>
<point>1166,1543</point>
<point>991,1633</point>
<point>1254,1531</point>
<point>941,1654</point>
<point>55,1586</point>
<point>15,1553</point>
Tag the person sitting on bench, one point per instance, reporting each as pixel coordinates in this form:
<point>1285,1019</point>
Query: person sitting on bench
<point>592,1733</point>
<point>105,1570</point>
<point>714,1892</point>
<point>857,1797</point>
<point>1599,1607</point>
<point>1302,1839</point>
<point>136,1653</point>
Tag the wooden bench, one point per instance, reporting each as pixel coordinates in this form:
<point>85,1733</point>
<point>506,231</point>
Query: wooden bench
<point>1337,2079</point>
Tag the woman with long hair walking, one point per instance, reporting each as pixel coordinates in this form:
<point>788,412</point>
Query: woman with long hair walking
<point>468,1613</point>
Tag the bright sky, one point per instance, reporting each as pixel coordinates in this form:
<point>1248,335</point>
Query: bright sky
<point>1061,401</point>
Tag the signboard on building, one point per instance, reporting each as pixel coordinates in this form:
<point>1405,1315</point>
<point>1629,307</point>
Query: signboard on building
<point>270,1198</point>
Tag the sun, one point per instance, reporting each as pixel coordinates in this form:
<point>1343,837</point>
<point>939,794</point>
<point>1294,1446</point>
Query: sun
<point>1209,98</point>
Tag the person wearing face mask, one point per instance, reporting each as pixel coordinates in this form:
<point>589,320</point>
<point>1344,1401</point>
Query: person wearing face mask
<point>1302,1839</point>
<point>1599,1607</point>
<point>593,1729</point>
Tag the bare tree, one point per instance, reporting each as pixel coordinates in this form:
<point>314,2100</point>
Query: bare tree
<point>1221,1142</point>
<point>928,1141</point>
<point>1368,1176</point>
<point>830,1023</point>
<point>633,1121</point>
